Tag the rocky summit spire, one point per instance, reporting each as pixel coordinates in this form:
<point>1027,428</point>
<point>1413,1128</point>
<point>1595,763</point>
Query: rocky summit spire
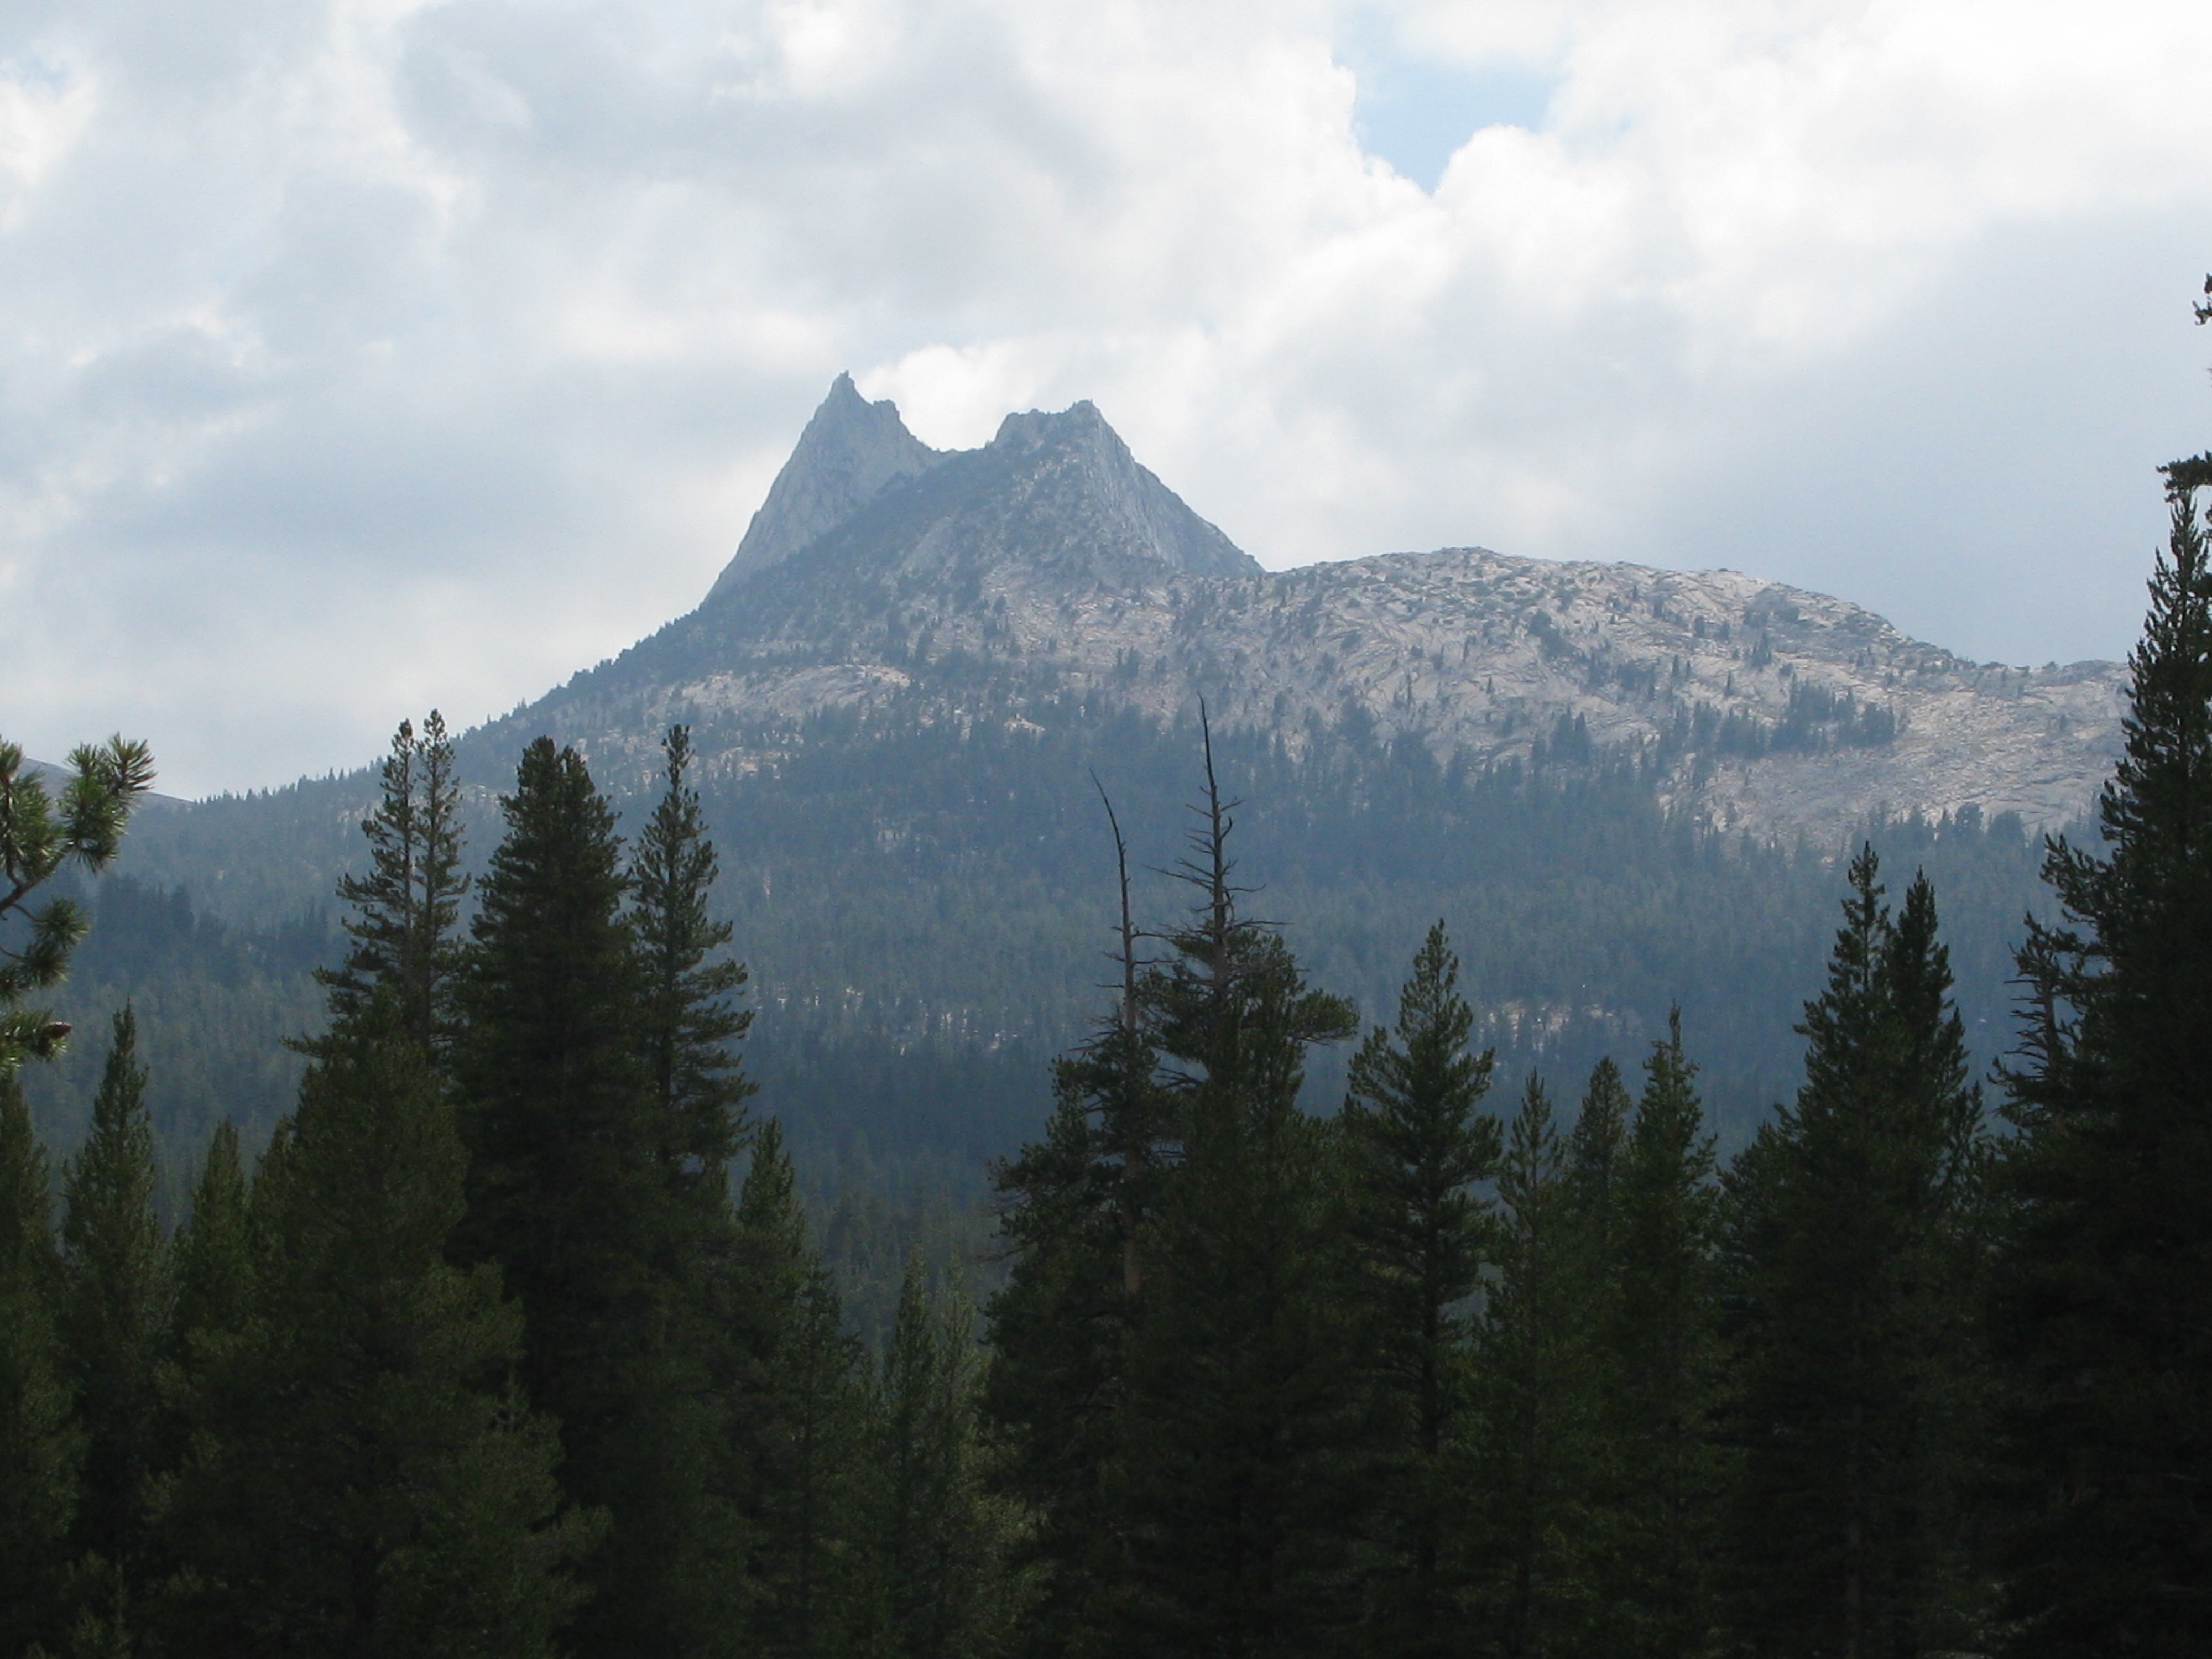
<point>1072,491</point>
<point>850,452</point>
<point>1057,495</point>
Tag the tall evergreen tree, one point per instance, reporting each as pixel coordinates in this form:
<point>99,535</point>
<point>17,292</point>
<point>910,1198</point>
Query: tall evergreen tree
<point>114,1322</point>
<point>569,1194</point>
<point>1242,1439</point>
<point>1595,1152</point>
<point>1591,1281</point>
<point>1058,1333</point>
<point>688,1020</point>
<point>406,911</point>
<point>1074,1212</point>
<point>1666,1362</point>
<point>212,1316</point>
<point>804,1421</point>
<point>212,1326</point>
<point>688,1023</point>
<point>2105,1314</point>
<point>1417,1147</point>
<point>1537,1466</point>
<point>1114,1078</point>
<point>1855,1239</point>
<point>40,1445</point>
<point>213,1255</point>
<point>366,1480</point>
<point>943,1541</point>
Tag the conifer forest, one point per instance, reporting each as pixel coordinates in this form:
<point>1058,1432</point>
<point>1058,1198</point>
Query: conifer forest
<point>1284,1332</point>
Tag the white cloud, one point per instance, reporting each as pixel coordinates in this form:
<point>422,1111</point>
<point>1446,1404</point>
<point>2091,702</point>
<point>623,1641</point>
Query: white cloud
<point>359,355</point>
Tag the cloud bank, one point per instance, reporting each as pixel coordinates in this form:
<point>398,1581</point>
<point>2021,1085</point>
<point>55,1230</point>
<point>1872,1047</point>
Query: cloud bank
<point>357,356</point>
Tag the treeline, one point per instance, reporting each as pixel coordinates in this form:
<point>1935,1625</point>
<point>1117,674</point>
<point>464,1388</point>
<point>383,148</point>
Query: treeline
<point>1424,1377</point>
<point>919,912</point>
<point>486,1356</point>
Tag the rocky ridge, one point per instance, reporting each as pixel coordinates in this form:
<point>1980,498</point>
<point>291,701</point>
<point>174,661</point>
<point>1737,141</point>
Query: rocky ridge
<point>1055,565</point>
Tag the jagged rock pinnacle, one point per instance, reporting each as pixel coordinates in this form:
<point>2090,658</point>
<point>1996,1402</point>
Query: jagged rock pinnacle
<point>1083,490</point>
<point>850,452</point>
<point>1051,491</point>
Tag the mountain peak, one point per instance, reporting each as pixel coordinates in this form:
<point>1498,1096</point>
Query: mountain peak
<point>1076,487</point>
<point>1053,490</point>
<point>850,452</point>
<point>1032,429</point>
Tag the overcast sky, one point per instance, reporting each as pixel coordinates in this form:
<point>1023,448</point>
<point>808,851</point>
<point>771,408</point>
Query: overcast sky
<point>357,356</point>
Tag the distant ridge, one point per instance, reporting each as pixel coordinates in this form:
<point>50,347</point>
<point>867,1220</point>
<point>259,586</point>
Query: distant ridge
<point>1051,563</point>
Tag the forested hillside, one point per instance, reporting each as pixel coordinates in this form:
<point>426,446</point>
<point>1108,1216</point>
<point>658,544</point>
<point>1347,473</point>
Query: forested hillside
<point>923,908</point>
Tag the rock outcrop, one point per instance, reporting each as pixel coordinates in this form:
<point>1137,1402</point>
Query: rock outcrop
<point>1058,490</point>
<point>849,453</point>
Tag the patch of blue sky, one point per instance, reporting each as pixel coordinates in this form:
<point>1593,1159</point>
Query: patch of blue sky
<point>33,68</point>
<point>1417,109</point>
<point>1414,112</point>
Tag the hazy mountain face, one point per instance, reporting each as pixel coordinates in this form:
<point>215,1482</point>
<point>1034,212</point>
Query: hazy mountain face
<point>880,573</point>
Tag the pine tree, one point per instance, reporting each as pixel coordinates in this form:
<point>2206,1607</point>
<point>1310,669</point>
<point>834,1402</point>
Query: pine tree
<point>1073,1213</point>
<point>1243,1441</point>
<point>942,1540</point>
<point>366,1479</point>
<point>213,1255</point>
<point>2105,1314</point>
<point>1591,1287</point>
<point>212,1317</point>
<point>1417,1148</point>
<point>803,1417</point>
<point>1940,1560</point>
<point>1595,1152</point>
<point>39,1446</point>
<point>1059,1330</point>
<point>569,1195</point>
<point>1666,1362</point>
<point>1537,1466</point>
<point>1854,1246</point>
<point>40,834</point>
<point>688,1019</point>
<point>113,1323</point>
<point>1114,1078</point>
<point>687,1022</point>
<point>405,910</point>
